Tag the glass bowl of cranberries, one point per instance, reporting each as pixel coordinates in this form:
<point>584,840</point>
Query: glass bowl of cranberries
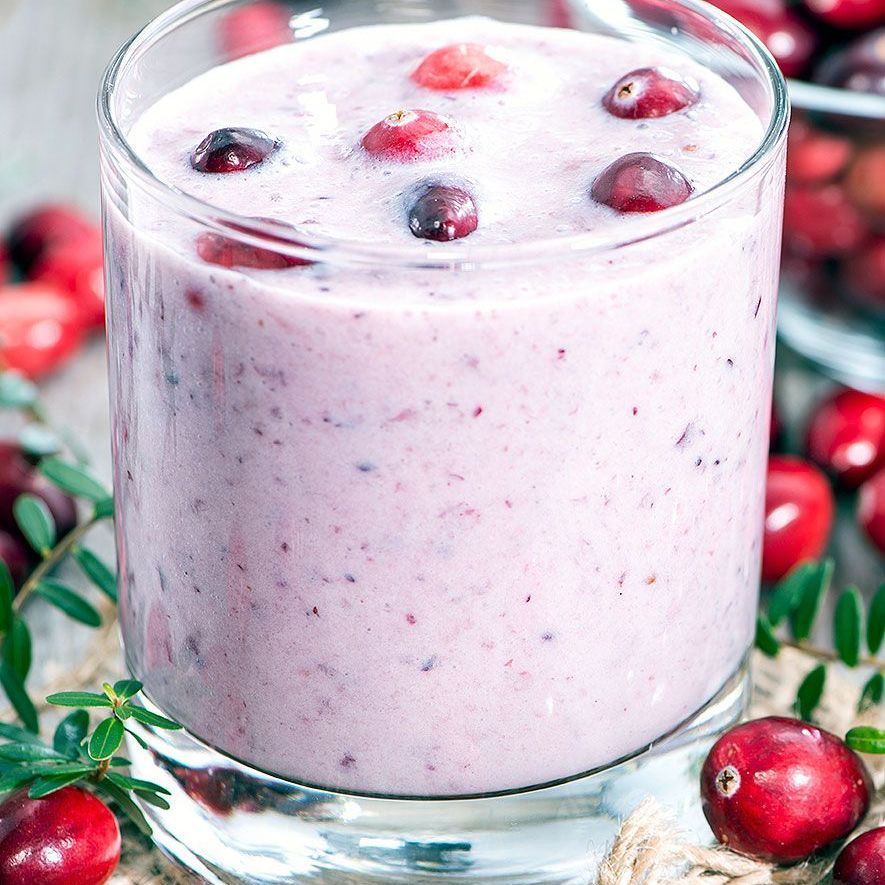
<point>832,307</point>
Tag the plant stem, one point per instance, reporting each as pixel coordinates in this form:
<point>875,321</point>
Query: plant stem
<point>827,655</point>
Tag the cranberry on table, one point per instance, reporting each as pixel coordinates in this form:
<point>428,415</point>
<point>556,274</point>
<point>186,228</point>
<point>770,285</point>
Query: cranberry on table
<point>871,509</point>
<point>780,789</point>
<point>67,838</point>
<point>232,150</point>
<point>862,860</point>
<point>822,222</point>
<point>254,28</point>
<point>411,135</point>
<point>798,515</point>
<point>640,183</point>
<point>849,13</point>
<point>44,228</point>
<point>459,66</point>
<point>650,92</point>
<point>814,156</point>
<point>443,213</point>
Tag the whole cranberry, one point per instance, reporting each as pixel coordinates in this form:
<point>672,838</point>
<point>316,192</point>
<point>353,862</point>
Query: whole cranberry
<point>814,156</point>
<point>15,554</point>
<point>254,28</point>
<point>865,182</point>
<point>233,149</point>
<point>849,13</point>
<point>871,509</point>
<point>640,183</point>
<point>780,789</point>
<point>822,222</point>
<point>44,227</point>
<point>846,436</point>
<point>864,274</point>
<point>859,68</point>
<point>862,861</point>
<point>787,37</point>
<point>459,66</point>
<point>798,515</point>
<point>650,92</point>
<point>443,213</point>
<point>67,838</point>
<point>411,135</point>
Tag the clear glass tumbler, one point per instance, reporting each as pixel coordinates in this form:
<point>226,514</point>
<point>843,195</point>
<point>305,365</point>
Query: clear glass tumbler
<point>438,588</point>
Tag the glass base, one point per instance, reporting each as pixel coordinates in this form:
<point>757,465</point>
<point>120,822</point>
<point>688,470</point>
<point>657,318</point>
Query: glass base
<point>233,824</point>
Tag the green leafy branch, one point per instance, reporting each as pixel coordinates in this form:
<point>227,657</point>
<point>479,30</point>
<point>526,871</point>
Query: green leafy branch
<point>791,616</point>
<point>80,757</point>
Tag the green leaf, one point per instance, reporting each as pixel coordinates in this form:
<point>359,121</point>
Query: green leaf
<point>16,391</point>
<point>148,718</point>
<point>25,752</point>
<point>876,621</point>
<point>106,739</point>
<point>127,688</point>
<point>125,804</point>
<point>810,692</point>
<point>872,693</point>
<point>71,603</point>
<point>74,480</point>
<point>120,762</point>
<point>14,687</point>
<point>805,614</point>
<point>39,441</point>
<point>103,509</point>
<point>35,521</point>
<point>12,780</point>
<point>866,739</point>
<point>70,733</point>
<point>50,768</point>
<point>16,649</point>
<point>766,641</point>
<point>78,699</point>
<point>140,786</point>
<point>97,572</point>
<point>789,591</point>
<point>7,593</point>
<point>17,734</point>
<point>43,786</point>
<point>848,626</point>
<point>154,799</point>
<point>138,739</point>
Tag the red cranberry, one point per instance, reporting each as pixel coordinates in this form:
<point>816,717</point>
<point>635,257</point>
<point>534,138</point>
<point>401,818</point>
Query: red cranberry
<point>254,28</point>
<point>77,268</point>
<point>859,68</point>
<point>865,182</point>
<point>232,150</point>
<point>780,789</point>
<point>798,515</point>
<point>443,213</point>
<point>822,221</point>
<point>788,38</point>
<point>16,556</point>
<point>871,509</point>
<point>459,66</point>
<point>68,838</point>
<point>815,157</point>
<point>229,252</point>
<point>48,226</point>
<point>847,436</point>
<point>650,92</point>
<point>641,183</point>
<point>411,135</point>
<point>849,13</point>
<point>862,861</point>
<point>40,328</point>
<point>864,274</point>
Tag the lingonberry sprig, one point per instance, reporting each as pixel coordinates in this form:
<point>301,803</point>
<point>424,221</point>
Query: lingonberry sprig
<point>789,620</point>
<point>80,756</point>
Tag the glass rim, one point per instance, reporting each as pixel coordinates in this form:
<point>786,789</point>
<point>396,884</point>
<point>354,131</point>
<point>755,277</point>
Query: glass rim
<point>323,248</point>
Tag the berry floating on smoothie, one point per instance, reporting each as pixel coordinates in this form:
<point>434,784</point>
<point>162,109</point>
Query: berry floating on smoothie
<point>651,92</point>
<point>443,213</point>
<point>459,66</point>
<point>641,183</point>
<point>232,150</point>
<point>411,135</point>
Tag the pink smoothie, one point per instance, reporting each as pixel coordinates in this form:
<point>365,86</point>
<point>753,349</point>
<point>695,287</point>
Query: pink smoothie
<point>435,532</point>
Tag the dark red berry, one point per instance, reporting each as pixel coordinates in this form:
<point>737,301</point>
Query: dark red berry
<point>14,552</point>
<point>254,28</point>
<point>862,861</point>
<point>443,213</point>
<point>859,68</point>
<point>780,789</point>
<point>816,157</point>
<point>459,66</point>
<point>822,222</point>
<point>846,436</point>
<point>232,150</point>
<point>651,92</point>
<point>871,509</point>
<point>849,13</point>
<point>67,838</point>
<point>411,135</point>
<point>865,182</point>
<point>47,226</point>
<point>798,515</point>
<point>641,183</point>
